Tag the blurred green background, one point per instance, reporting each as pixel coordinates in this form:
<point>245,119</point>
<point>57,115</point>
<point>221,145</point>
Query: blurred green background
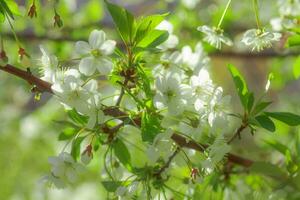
<point>28,133</point>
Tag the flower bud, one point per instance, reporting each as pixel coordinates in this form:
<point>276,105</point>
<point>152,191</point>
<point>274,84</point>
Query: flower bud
<point>87,155</point>
<point>194,173</point>
<point>57,20</point>
<point>22,53</point>
<point>32,11</point>
<point>3,57</point>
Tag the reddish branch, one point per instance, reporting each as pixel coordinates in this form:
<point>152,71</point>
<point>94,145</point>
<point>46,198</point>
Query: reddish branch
<point>44,86</point>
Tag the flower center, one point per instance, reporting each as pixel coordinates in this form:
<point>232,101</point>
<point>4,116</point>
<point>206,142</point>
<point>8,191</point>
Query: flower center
<point>198,90</point>
<point>96,53</point>
<point>165,64</point>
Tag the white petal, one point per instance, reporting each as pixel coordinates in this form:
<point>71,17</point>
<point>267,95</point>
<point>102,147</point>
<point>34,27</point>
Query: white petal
<point>87,66</point>
<point>108,47</point>
<point>82,48</point>
<point>104,66</point>
<point>71,175</point>
<point>91,86</point>
<point>96,39</point>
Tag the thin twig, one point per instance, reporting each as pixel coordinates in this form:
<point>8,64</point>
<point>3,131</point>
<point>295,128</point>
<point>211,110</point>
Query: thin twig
<point>238,133</point>
<point>167,164</point>
<point>122,92</point>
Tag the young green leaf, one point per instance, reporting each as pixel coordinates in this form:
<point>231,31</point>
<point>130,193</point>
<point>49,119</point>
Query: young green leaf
<point>67,133</point>
<point>265,122</point>
<point>240,85</point>
<point>6,9</point>
<point>123,20</point>
<point>76,117</point>
<point>147,24</point>
<point>250,101</point>
<point>260,107</point>
<point>75,150</point>
<point>2,15</point>
<point>277,146</point>
<point>111,186</point>
<point>285,117</point>
<point>296,68</point>
<point>293,40</point>
<point>150,127</point>
<point>154,38</point>
<point>122,153</point>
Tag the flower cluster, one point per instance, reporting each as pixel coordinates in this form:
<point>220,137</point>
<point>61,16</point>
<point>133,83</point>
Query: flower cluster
<point>182,89</point>
<point>289,11</point>
<point>64,170</point>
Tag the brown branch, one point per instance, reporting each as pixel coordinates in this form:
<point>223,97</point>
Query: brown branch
<point>41,86</point>
<point>167,164</point>
<point>238,132</point>
<point>181,141</point>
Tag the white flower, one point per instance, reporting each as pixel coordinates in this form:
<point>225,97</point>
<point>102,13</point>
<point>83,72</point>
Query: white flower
<point>259,39</point>
<point>216,153</point>
<point>70,92</point>
<point>51,179</point>
<point>170,93</point>
<point>190,4</point>
<point>96,53</point>
<point>172,40</point>
<point>49,65</point>
<point>289,7</point>
<point>127,192</point>
<point>278,24</point>
<point>194,60</point>
<point>214,36</point>
<point>169,63</point>
<point>202,88</point>
<point>161,147</point>
<point>64,167</point>
<point>217,108</point>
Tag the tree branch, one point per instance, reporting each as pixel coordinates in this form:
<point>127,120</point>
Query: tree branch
<point>44,86</point>
<point>233,54</point>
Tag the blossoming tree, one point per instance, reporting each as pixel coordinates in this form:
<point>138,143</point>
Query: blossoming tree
<point>146,107</point>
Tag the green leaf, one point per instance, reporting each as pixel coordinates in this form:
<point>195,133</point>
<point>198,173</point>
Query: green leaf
<point>260,107</point>
<point>277,146</point>
<point>285,117</point>
<point>265,122</point>
<point>154,38</point>
<point>150,127</point>
<point>293,40</point>
<point>13,7</point>
<point>296,68</point>
<point>267,169</point>
<point>297,145</point>
<point>75,150</point>
<point>76,117</point>
<point>147,24</point>
<point>123,20</point>
<point>250,101</point>
<point>122,153</point>
<point>240,85</point>
<point>2,15</point>
<point>111,186</point>
<point>67,133</point>
<point>6,9</point>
